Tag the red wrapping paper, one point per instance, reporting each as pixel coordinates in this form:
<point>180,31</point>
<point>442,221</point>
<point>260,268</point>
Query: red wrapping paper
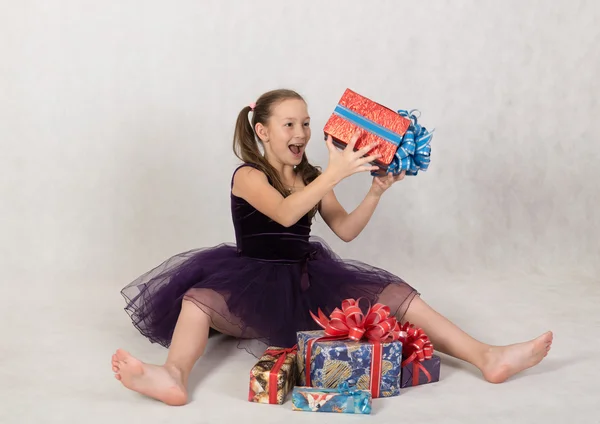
<point>341,130</point>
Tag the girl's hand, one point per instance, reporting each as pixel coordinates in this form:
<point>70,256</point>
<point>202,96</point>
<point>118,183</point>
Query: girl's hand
<point>346,162</point>
<point>381,184</point>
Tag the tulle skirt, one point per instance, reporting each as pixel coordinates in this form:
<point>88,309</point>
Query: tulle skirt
<point>249,298</point>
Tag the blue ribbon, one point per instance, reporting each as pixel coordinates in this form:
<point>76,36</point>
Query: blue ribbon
<point>345,389</point>
<point>368,125</point>
<point>414,151</point>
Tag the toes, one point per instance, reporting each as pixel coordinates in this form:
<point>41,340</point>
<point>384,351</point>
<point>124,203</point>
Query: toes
<point>546,336</point>
<point>122,355</point>
<point>115,363</point>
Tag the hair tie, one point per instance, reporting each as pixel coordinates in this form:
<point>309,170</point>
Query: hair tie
<point>252,105</point>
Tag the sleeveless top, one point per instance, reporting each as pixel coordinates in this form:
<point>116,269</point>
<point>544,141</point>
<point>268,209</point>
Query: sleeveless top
<point>259,237</point>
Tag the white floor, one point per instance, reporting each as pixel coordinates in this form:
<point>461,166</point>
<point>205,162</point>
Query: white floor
<point>57,341</point>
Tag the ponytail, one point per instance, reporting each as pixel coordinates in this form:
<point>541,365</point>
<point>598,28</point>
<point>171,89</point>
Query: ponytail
<point>245,147</point>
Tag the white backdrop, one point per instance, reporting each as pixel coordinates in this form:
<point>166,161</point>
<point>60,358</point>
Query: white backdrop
<point>117,118</point>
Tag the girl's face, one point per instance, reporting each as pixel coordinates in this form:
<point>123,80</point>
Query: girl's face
<point>287,133</point>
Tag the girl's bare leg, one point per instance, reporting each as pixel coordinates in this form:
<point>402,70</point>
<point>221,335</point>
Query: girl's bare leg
<point>497,363</point>
<point>168,382</point>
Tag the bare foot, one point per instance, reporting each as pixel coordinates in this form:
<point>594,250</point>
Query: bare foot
<point>502,362</point>
<point>150,380</point>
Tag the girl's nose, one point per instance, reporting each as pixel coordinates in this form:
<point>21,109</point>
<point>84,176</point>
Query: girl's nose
<point>301,132</point>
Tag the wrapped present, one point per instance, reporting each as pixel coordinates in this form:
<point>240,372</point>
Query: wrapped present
<point>344,400</point>
<point>421,372</point>
<point>363,348</point>
<point>273,376</point>
<point>419,364</point>
<point>404,145</point>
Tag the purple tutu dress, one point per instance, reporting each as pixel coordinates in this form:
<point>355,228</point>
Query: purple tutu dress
<point>263,287</point>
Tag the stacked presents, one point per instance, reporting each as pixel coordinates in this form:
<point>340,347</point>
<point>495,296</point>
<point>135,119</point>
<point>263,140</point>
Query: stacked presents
<point>357,356</point>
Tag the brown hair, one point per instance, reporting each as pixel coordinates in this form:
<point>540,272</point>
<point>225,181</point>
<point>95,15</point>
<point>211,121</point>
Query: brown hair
<point>245,141</point>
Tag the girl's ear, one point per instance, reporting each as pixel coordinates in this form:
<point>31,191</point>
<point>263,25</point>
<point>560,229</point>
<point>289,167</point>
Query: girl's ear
<point>262,132</point>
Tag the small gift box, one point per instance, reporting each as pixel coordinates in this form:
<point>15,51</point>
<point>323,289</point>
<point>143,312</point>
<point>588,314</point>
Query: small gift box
<point>419,364</point>
<point>421,372</point>
<point>403,144</point>
<point>364,348</point>
<point>344,399</point>
<point>273,376</point>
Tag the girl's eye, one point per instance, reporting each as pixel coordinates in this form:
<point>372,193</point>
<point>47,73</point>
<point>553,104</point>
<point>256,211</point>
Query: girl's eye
<point>289,124</point>
<point>307,124</point>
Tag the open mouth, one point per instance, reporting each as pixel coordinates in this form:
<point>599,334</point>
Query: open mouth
<point>296,149</point>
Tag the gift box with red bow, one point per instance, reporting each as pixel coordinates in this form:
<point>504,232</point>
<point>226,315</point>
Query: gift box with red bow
<point>273,376</point>
<point>362,349</point>
<point>404,145</point>
<point>419,364</point>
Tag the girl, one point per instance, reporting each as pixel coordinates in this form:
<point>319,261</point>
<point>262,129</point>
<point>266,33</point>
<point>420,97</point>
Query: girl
<point>264,286</point>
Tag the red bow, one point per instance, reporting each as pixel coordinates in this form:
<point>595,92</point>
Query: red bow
<point>282,354</point>
<point>350,322</point>
<point>416,347</point>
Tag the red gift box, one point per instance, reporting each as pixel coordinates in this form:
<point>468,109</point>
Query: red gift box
<point>379,124</point>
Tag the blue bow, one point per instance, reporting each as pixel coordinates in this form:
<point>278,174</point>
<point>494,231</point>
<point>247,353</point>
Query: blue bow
<point>356,395</point>
<point>344,388</point>
<point>414,151</point>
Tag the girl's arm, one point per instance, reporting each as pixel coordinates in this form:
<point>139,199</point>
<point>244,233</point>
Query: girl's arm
<point>253,186</point>
<point>347,226</point>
